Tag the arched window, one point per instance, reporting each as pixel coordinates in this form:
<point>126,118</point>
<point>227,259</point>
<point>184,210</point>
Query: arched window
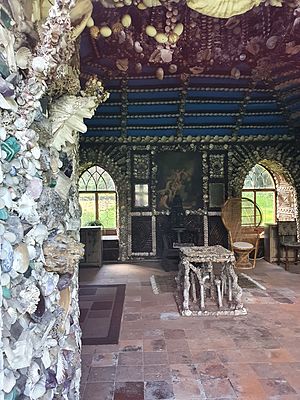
<point>98,198</point>
<point>259,186</point>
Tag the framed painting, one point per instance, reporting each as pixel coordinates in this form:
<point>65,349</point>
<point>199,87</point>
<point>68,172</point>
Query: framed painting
<point>179,173</point>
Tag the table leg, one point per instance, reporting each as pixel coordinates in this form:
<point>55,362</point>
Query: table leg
<point>186,289</point>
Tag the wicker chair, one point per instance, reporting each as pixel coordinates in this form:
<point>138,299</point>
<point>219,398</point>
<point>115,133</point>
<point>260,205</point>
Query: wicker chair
<point>242,218</point>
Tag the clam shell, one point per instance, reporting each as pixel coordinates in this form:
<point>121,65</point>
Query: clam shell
<point>105,31</point>
<point>161,38</point>
<point>126,20</point>
<point>151,31</point>
<point>23,56</point>
<point>21,258</point>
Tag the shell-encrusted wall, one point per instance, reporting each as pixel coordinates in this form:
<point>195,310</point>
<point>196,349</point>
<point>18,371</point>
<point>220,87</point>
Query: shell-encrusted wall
<point>39,210</point>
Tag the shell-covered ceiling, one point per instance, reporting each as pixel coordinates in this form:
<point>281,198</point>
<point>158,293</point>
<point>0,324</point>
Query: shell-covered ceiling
<point>177,68</point>
<point>155,37</point>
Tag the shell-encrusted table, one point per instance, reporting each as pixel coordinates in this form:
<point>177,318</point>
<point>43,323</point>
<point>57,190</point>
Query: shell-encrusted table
<point>207,283</point>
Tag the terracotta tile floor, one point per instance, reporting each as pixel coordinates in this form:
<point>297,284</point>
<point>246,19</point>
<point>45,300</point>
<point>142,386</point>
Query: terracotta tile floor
<point>163,356</point>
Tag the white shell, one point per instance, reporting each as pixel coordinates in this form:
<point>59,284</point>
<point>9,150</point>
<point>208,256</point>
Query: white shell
<point>151,31</point>
<point>90,22</point>
<point>39,64</point>
<point>23,56</point>
<point>9,380</point>
<point>178,29</point>
<point>105,31</point>
<point>160,73</point>
<point>126,20</point>
<point>38,391</point>
<point>21,258</point>
<point>161,38</point>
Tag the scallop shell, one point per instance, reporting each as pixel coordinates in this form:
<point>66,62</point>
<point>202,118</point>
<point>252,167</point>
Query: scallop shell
<point>151,31</point>
<point>161,38</point>
<point>178,29</point>
<point>126,20</point>
<point>105,31</point>
<point>23,56</point>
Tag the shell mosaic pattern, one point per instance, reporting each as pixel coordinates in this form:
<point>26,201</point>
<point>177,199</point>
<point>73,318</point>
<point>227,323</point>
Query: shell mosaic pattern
<point>39,210</point>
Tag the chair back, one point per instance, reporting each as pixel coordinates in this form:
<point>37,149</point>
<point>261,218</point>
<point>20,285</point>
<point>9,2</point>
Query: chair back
<point>241,217</point>
<point>287,231</point>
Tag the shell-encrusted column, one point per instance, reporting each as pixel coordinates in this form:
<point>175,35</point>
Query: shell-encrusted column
<point>39,212</point>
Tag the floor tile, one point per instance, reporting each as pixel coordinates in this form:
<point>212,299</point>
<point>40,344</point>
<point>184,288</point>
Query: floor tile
<point>93,390</point>
<point>159,390</point>
<point>129,391</point>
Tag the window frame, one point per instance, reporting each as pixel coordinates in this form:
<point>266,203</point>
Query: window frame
<point>96,194</point>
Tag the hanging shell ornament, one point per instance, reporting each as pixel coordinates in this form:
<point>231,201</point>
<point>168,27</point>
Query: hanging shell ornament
<point>105,31</point>
<point>160,73</point>
<point>94,31</point>
<point>161,38</point>
<point>126,20</point>
<point>151,31</point>
<point>235,73</point>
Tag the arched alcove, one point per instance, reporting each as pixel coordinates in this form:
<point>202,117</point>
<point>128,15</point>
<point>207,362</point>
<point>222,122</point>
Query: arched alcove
<point>120,180</point>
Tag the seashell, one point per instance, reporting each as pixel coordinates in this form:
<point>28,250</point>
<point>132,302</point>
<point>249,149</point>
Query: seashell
<point>127,2</point>
<point>5,196</point>
<point>34,373</point>
<point>271,42</point>
<point>197,70</point>
<point>122,64</point>
<point>138,68</point>
<point>159,73</point>
<point>38,391</point>
<point>117,28</point>
<point>253,47</point>
<point>166,55</point>
<point>39,64</point>
<point>178,29</point>
<point>6,292</point>
<point>21,355</point>
<point>23,56</point>
<point>126,20</point>
<point>11,147</point>
<point>13,224</point>
<point>51,381</point>
<point>105,31</point>
<point>173,68</point>
<point>137,47</point>
<point>90,22</point>
<point>3,214</point>
<point>141,6</point>
<point>151,31</point>
<point>9,380</point>
<point>94,31</point>
<point>21,258</point>
<point>235,73</point>
<point>65,299</point>
<point>173,38</point>
<point>35,188</point>
<point>48,284</point>
<point>6,256</point>
<point>152,3</point>
<point>10,237</point>
<point>5,279</point>
<point>161,38</point>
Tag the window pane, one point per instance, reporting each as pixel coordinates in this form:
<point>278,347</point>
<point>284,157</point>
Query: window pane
<point>259,178</point>
<point>266,204</point>
<point>141,195</point>
<point>248,211</point>
<point>107,209</point>
<point>87,202</point>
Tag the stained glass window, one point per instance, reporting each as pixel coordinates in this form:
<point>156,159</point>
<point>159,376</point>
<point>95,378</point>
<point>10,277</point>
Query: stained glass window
<point>98,198</point>
<point>259,186</point>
